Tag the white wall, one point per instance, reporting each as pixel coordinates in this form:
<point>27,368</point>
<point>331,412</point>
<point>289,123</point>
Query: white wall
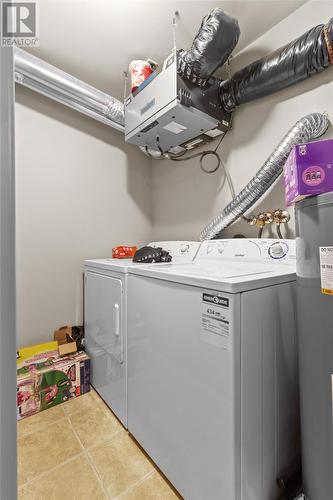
<point>185,199</point>
<point>80,191</point>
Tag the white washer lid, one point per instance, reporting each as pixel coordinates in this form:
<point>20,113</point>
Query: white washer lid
<point>230,276</point>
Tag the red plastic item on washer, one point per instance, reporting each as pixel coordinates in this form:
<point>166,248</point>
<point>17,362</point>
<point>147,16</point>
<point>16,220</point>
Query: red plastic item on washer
<point>123,252</point>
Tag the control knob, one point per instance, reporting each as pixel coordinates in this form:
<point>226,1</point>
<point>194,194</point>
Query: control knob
<point>277,251</point>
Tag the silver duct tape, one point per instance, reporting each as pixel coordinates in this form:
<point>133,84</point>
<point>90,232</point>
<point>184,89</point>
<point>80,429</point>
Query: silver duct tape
<point>115,111</point>
<point>307,128</point>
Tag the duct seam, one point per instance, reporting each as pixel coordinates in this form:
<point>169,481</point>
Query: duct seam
<point>307,128</point>
<point>328,43</point>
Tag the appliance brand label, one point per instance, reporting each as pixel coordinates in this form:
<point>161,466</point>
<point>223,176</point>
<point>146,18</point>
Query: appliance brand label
<point>326,270</point>
<point>216,320</point>
<point>216,299</point>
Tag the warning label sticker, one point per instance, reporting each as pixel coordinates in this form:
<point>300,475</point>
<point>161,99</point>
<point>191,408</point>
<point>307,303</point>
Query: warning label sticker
<point>216,320</point>
<point>326,269</point>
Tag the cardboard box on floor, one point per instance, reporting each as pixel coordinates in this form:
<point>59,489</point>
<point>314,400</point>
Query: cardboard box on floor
<point>66,343</point>
<point>44,379</point>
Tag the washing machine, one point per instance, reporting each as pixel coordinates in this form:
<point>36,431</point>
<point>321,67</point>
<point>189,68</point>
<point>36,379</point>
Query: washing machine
<point>212,368</point>
<point>106,318</point>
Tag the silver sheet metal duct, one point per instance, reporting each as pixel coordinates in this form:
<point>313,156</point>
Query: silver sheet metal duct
<point>307,128</point>
<point>50,81</point>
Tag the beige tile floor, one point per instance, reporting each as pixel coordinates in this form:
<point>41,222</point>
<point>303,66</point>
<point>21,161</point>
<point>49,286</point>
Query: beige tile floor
<point>79,450</point>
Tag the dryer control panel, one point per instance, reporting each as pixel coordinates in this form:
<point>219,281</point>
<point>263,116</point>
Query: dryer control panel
<point>181,251</point>
<point>256,249</point>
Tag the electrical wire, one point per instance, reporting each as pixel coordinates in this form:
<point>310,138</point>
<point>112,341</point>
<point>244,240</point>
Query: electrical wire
<point>125,84</point>
<point>219,163</point>
<point>201,157</point>
<point>260,231</point>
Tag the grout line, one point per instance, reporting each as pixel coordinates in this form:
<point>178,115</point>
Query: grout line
<point>21,434</point>
<point>122,429</point>
<point>43,474</point>
<point>98,477</point>
<point>66,412</point>
<point>85,453</point>
<point>99,403</point>
<point>76,434</point>
<point>133,486</point>
<point>92,465</point>
<point>105,440</point>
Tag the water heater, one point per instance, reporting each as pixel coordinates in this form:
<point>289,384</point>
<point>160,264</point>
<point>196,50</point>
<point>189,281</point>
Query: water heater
<point>314,226</point>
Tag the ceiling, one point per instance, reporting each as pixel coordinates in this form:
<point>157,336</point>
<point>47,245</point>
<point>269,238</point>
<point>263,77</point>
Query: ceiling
<point>96,39</point>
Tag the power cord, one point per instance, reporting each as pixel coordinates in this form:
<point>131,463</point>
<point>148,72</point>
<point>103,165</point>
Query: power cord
<point>202,155</point>
<point>219,163</point>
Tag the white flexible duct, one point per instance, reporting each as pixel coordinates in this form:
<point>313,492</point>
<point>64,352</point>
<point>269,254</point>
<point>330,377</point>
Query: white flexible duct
<point>307,128</point>
<point>52,82</point>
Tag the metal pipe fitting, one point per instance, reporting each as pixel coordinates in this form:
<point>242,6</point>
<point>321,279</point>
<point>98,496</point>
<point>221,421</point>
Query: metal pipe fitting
<point>307,128</point>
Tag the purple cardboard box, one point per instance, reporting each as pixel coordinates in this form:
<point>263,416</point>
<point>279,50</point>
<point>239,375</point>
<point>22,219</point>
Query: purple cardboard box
<point>309,170</point>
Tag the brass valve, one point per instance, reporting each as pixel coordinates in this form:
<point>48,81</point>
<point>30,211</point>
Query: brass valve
<point>281,216</point>
<point>264,218</point>
<point>278,216</point>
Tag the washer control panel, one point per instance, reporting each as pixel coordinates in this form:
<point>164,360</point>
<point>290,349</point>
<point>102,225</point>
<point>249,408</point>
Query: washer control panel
<point>183,251</point>
<point>258,249</point>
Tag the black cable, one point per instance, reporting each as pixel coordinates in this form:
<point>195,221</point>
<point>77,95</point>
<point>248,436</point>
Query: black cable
<point>158,145</point>
<point>260,231</point>
<point>147,152</point>
<point>202,155</point>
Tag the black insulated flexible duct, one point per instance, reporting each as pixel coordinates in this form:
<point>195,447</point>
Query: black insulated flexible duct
<point>213,44</point>
<point>309,54</point>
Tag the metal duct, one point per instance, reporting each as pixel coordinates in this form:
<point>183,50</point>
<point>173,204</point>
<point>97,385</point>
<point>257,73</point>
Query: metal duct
<point>309,127</point>
<point>50,81</point>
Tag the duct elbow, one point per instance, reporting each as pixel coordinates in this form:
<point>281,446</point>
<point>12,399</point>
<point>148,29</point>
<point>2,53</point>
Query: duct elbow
<point>211,47</point>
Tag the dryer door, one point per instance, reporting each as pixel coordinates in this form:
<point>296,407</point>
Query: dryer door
<point>105,339</point>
